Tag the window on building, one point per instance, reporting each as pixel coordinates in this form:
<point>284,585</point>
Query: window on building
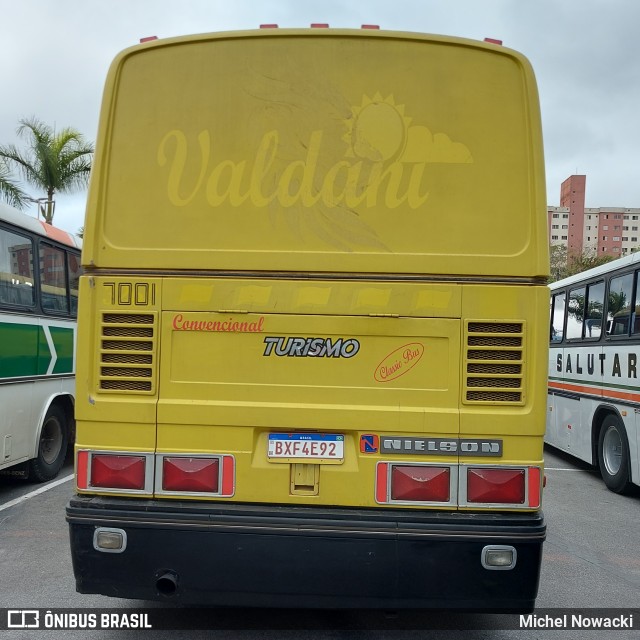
<point>554,237</point>
<point>605,227</point>
<point>564,237</point>
<point>555,215</point>
<point>565,215</point>
<point>616,238</point>
<point>625,238</point>
<point>555,226</point>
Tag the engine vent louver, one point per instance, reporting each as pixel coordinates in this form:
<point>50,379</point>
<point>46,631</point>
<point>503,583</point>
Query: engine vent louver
<point>494,363</point>
<point>127,352</point>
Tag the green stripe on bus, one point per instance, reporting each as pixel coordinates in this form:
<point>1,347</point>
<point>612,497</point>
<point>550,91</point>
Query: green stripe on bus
<point>24,350</point>
<point>63,342</point>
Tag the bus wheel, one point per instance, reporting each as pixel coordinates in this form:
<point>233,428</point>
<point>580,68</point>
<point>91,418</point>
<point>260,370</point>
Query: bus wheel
<point>52,448</point>
<point>613,454</point>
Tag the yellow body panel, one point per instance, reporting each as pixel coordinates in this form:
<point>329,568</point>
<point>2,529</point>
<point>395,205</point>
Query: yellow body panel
<point>281,241</point>
<point>362,152</point>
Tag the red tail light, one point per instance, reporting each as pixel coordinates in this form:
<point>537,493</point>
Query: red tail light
<point>112,471</point>
<point>496,486</point>
<point>195,475</point>
<point>214,475</point>
<point>417,483</point>
<point>420,484</point>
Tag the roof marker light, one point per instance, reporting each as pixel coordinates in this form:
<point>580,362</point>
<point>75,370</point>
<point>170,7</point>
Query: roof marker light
<point>268,26</point>
<point>148,39</point>
<point>319,25</point>
<point>370,26</point>
<point>493,41</point>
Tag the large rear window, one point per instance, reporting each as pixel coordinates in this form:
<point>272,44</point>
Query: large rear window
<point>321,153</point>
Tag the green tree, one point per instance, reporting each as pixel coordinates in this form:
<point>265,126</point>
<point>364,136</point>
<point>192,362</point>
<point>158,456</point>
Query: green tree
<point>580,262</point>
<point>53,162</point>
<point>558,262</point>
<point>10,192</point>
<point>564,265</point>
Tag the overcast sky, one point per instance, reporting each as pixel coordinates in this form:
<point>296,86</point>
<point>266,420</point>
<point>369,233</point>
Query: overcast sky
<point>586,55</point>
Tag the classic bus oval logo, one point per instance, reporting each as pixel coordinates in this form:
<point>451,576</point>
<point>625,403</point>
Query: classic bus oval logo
<point>399,362</point>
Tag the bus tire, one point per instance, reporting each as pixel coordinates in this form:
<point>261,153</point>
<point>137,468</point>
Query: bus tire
<point>613,454</point>
<point>52,446</point>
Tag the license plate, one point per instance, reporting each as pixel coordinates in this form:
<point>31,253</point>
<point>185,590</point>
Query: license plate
<point>323,448</point>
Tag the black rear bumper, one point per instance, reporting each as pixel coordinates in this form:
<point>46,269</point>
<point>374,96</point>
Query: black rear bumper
<point>266,556</point>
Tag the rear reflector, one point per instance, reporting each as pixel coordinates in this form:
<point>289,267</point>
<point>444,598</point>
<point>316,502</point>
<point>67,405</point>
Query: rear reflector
<point>195,475</point>
<point>535,491</point>
<point>382,470</point>
<point>111,471</point>
<point>416,483</point>
<point>82,469</point>
<point>496,486</point>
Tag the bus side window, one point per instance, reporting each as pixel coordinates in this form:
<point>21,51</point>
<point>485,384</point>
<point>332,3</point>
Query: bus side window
<point>575,315</point>
<point>74,272</point>
<point>16,269</point>
<point>619,305</point>
<point>557,319</point>
<point>53,279</point>
<point>595,310</point>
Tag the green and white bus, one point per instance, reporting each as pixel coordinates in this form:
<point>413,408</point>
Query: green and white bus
<point>39,271</point>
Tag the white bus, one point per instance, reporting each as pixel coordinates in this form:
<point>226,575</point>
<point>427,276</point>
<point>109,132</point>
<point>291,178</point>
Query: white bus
<point>594,368</point>
<point>39,271</point>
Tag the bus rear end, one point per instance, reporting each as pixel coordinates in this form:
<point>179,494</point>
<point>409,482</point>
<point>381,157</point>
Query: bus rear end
<point>312,325</point>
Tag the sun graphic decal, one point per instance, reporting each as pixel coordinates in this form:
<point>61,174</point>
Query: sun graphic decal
<point>377,129</point>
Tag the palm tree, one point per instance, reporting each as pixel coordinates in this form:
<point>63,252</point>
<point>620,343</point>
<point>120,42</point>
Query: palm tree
<point>53,161</point>
<point>10,192</point>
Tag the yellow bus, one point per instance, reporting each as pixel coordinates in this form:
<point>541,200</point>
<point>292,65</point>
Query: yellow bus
<point>313,324</point>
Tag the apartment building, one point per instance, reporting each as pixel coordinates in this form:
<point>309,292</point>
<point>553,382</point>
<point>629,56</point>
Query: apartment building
<point>613,231</point>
